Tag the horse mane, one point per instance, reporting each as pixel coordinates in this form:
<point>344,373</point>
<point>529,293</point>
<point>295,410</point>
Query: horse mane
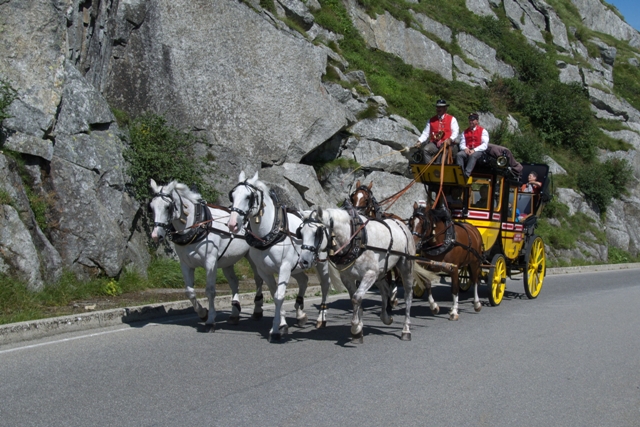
<point>441,214</point>
<point>185,192</point>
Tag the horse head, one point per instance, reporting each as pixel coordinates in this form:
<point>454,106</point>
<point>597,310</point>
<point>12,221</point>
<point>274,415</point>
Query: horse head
<point>247,199</point>
<point>362,199</point>
<point>163,208</point>
<point>314,236</point>
<point>420,223</point>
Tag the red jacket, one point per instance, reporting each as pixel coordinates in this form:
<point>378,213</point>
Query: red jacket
<point>436,125</point>
<point>473,138</point>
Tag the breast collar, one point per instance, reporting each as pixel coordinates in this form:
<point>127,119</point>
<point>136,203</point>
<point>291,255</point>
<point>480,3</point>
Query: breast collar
<point>357,244</point>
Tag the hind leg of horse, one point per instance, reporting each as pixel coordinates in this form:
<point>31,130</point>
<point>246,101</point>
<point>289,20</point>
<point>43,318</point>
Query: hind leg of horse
<point>322,269</point>
<point>230,274</point>
<point>455,289</point>
<point>303,282</point>
<point>258,301</point>
<point>188,276</point>
<point>387,304</point>
<point>210,291</point>
<point>475,277</point>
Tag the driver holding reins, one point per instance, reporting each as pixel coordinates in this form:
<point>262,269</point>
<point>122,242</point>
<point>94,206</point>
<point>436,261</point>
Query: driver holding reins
<point>441,129</point>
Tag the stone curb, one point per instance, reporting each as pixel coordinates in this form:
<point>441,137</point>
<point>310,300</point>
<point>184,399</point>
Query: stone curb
<point>23,331</point>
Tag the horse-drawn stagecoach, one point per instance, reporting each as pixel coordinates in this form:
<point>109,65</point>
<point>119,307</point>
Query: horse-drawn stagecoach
<point>492,200</point>
<point>464,224</point>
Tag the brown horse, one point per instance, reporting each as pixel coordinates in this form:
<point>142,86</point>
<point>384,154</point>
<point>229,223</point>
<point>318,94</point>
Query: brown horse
<point>452,245</point>
<point>362,199</point>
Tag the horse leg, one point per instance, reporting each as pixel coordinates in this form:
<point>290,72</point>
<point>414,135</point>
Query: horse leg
<point>230,274</point>
<point>259,299</point>
<point>322,269</point>
<point>392,278</point>
<point>280,327</point>
<point>356,321</point>
<point>387,304</point>
<point>303,281</point>
<point>210,291</point>
<point>435,309</point>
<point>455,289</point>
<point>475,277</point>
<point>406,273</point>
<point>188,274</point>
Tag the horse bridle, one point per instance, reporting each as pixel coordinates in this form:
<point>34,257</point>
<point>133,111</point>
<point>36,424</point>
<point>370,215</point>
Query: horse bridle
<point>254,193</point>
<point>321,232</point>
<point>172,207</point>
<point>372,204</point>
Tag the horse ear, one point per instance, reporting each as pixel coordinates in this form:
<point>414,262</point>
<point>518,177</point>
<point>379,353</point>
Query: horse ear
<point>358,184</point>
<point>170,186</point>
<point>154,186</point>
<point>415,205</point>
<point>370,185</point>
<point>241,177</point>
<point>254,179</point>
<point>319,213</point>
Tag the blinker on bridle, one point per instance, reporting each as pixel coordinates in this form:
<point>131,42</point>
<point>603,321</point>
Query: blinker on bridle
<point>253,193</point>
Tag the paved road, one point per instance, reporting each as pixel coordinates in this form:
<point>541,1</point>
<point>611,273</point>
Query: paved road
<point>569,358</point>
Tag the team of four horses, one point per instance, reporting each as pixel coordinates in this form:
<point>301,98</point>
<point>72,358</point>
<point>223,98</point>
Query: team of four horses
<point>356,245</point>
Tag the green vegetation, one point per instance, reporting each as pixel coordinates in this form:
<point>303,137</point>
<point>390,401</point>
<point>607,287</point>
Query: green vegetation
<point>165,153</point>
<point>18,304</point>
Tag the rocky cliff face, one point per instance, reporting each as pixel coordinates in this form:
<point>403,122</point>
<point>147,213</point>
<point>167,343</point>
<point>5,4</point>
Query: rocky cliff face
<point>253,88</point>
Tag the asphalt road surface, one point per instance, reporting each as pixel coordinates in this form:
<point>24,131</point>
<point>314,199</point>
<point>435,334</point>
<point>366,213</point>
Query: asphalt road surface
<point>569,358</point>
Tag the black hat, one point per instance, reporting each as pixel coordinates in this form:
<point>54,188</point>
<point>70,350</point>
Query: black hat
<point>441,103</point>
<point>473,116</point>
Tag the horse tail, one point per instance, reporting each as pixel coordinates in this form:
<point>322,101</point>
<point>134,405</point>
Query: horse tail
<point>421,275</point>
<point>336,280</point>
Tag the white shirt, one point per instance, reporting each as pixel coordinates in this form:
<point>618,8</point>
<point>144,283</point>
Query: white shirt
<point>455,130</point>
<point>484,141</point>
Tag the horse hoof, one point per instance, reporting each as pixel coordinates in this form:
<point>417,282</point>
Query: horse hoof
<point>236,304</point>
<point>406,336</point>
<point>321,324</point>
<point>256,315</point>
<point>276,337</point>
<point>210,328</point>
<point>390,321</point>
<point>435,310</point>
<point>284,330</point>
<point>454,317</point>
<point>394,303</point>
<point>234,320</point>
<point>477,307</point>
<point>302,321</point>
<point>357,338</point>
<point>205,316</point>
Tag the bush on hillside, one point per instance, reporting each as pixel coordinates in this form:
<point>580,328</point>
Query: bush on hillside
<point>602,182</point>
<point>164,153</point>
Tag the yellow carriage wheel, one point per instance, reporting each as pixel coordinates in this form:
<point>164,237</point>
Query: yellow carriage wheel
<point>464,278</point>
<point>535,268</point>
<point>497,279</point>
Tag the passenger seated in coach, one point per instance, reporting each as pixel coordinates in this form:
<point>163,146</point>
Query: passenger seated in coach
<point>483,201</point>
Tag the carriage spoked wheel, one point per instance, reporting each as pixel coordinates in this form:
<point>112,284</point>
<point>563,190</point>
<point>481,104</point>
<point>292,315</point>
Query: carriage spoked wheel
<point>535,267</point>
<point>497,279</point>
<point>464,278</point>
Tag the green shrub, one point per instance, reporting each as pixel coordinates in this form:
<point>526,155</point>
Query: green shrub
<point>601,182</point>
<point>164,153</point>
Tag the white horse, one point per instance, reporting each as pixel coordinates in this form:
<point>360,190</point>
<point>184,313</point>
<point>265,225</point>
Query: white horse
<point>365,250</point>
<point>275,248</point>
<point>209,246</point>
